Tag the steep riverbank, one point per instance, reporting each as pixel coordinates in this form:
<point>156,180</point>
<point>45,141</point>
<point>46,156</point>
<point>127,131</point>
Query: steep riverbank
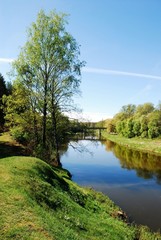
<point>41,202</point>
<point>38,201</point>
<point>146,145</point>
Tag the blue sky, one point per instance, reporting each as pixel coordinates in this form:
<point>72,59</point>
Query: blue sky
<point>120,42</point>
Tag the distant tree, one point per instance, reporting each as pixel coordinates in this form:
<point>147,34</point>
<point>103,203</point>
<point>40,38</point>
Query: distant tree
<point>154,124</point>
<point>144,109</point>
<point>140,121</point>
<point>136,127</point>
<point>121,127</point>
<point>9,87</point>
<point>111,126</point>
<point>119,117</point>
<point>3,91</point>
<point>128,110</point>
<point>19,116</point>
<point>159,106</point>
<point>129,128</point>
<point>144,126</point>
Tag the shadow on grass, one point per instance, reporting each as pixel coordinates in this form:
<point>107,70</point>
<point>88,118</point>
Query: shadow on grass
<point>7,150</point>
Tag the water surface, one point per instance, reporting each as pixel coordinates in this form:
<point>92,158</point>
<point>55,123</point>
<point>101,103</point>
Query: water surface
<point>131,179</point>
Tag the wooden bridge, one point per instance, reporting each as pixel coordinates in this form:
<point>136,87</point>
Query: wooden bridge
<point>86,130</point>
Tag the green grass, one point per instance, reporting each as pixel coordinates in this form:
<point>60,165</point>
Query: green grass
<point>146,145</point>
<point>38,201</point>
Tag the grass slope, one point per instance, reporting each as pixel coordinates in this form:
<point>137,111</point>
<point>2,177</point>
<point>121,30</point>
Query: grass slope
<point>142,144</point>
<point>40,202</point>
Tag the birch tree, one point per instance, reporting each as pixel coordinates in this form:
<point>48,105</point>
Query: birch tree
<point>49,67</point>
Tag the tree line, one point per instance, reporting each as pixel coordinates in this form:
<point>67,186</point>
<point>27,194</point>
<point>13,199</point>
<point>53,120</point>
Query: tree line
<point>47,74</point>
<point>5,89</point>
<point>143,121</point>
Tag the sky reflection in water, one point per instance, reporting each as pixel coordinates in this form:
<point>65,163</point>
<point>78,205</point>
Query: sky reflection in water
<point>131,179</point>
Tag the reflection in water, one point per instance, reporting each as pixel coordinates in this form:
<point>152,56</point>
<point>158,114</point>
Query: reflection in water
<point>146,165</point>
<point>130,178</point>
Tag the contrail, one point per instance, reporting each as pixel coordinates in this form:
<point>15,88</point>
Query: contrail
<point>6,60</point>
<point>120,73</point>
<point>102,71</point>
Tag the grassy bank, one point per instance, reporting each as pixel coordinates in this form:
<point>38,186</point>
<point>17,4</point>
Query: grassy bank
<point>38,201</point>
<point>146,145</point>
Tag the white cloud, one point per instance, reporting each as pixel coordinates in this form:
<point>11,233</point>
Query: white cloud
<point>119,73</point>
<point>6,60</point>
<point>96,116</point>
<point>89,116</point>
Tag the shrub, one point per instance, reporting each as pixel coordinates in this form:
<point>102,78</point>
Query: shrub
<point>19,135</point>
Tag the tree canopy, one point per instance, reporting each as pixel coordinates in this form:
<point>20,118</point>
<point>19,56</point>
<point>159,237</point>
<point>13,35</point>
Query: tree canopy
<point>143,120</point>
<point>49,70</point>
<point>3,91</point>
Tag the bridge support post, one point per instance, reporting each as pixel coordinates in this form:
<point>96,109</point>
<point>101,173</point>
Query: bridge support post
<point>84,134</point>
<point>99,134</point>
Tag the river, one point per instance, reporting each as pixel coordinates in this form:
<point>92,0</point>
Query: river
<point>131,179</point>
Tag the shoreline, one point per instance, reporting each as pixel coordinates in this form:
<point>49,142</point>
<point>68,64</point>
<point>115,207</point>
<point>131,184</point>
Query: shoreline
<point>152,146</point>
<point>54,191</point>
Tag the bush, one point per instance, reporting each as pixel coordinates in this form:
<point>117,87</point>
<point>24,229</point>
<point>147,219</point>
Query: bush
<point>153,132</point>
<point>136,128</point>
<point>20,135</point>
<point>144,134</point>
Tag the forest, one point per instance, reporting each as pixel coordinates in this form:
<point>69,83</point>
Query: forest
<point>142,121</point>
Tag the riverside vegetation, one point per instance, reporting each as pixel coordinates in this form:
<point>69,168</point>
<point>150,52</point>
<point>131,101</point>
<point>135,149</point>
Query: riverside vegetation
<point>38,201</point>
<point>136,127</point>
<point>141,144</point>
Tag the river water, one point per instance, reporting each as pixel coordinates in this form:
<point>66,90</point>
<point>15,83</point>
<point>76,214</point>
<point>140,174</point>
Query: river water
<point>131,179</point>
